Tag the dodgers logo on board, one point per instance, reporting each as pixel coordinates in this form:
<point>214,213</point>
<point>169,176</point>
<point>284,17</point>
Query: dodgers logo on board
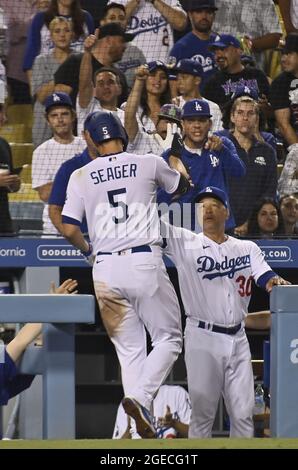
<point>58,253</point>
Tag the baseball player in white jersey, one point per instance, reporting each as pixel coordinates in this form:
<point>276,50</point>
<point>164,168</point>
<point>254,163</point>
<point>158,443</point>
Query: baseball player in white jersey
<point>117,193</point>
<point>170,411</point>
<point>215,276</point>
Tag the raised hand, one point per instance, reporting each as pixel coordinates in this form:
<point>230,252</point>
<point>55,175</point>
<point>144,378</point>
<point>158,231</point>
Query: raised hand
<point>91,40</point>
<point>213,142</point>
<point>142,72</point>
<point>172,130</point>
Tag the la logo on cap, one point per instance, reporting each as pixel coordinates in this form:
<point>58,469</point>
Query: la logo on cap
<point>208,190</point>
<point>198,107</point>
<point>246,89</point>
<point>56,97</point>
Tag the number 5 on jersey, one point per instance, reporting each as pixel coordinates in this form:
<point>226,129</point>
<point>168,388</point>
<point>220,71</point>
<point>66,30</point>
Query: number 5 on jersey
<point>117,203</point>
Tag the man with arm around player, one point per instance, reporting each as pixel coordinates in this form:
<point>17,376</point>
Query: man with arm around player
<point>215,274</point>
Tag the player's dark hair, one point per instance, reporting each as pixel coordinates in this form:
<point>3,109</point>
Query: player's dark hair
<point>76,13</point>
<point>253,226</point>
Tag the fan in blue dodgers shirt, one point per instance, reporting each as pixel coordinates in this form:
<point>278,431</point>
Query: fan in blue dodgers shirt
<point>215,274</point>
<point>195,44</point>
<point>209,159</point>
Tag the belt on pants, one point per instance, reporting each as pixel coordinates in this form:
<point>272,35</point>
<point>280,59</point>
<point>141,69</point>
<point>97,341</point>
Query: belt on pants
<point>228,330</point>
<point>136,249</point>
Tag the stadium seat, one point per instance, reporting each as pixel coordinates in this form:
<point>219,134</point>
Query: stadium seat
<point>16,133</point>
<point>25,194</point>
<point>20,114</point>
<point>21,153</point>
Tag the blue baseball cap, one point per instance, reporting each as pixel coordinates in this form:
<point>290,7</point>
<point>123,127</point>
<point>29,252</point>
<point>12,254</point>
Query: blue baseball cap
<point>196,108</point>
<point>225,40</point>
<point>157,64</point>
<point>216,193</point>
<point>58,99</point>
<point>245,90</point>
<point>190,66</point>
<point>193,5</point>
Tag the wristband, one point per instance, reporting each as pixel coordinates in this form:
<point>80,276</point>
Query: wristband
<point>88,252</point>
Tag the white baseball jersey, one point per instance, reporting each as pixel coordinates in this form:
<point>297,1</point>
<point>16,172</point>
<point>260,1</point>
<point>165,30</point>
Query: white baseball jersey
<point>46,161</point>
<point>215,284</point>
<point>214,111</point>
<point>215,279</point>
<point>118,195</point>
<point>145,143</point>
<point>145,123</point>
<point>154,35</point>
<point>175,397</point>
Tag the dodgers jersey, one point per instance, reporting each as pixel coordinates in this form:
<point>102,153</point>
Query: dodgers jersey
<point>153,34</point>
<point>215,279</point>
<point>118,195</point>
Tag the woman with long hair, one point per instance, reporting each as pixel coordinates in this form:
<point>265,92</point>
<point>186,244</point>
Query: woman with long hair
<point>266,220</point>
<point>149,93</point>
<point>39,37</point>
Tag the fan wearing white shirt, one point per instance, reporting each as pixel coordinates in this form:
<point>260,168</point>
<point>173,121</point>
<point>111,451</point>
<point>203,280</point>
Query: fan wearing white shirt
<point>189,76</point>
<point>102,95</point>
<point>48,156</point>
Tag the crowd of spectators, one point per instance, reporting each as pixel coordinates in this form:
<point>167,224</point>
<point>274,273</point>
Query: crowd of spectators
<point>122,56</point>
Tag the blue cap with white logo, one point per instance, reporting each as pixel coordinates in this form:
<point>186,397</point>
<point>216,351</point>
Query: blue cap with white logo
<point>216,193</point>
<point>225,40</point>
<point>196,108</point>
<point>157,64</point>
<point>245,90</point>
<point>58,99</point>
<point>189,66</point>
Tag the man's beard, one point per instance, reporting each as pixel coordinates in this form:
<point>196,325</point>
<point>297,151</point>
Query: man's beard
<point>203,28</point>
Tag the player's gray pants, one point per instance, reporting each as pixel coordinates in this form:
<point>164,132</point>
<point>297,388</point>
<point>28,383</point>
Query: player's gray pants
<point>134,290</point>
<point>218,364</point>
